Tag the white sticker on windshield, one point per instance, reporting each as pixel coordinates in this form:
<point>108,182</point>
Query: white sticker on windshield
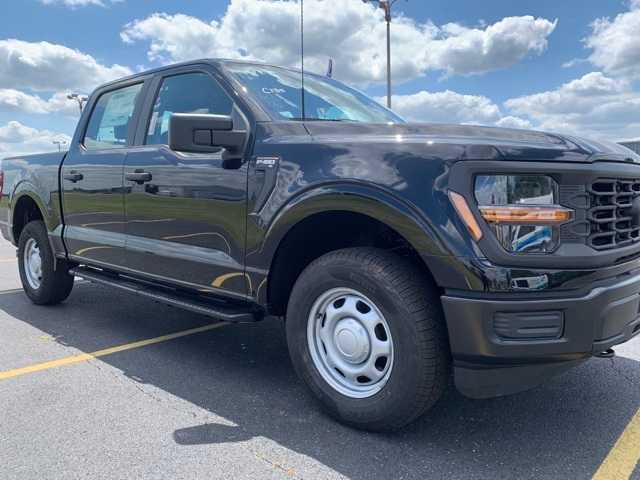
<point>164,126</point>
<point>152,123</point>
<point>273,91</point>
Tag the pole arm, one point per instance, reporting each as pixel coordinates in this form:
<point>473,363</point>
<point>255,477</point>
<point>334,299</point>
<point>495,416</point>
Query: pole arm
<point>386,6</point>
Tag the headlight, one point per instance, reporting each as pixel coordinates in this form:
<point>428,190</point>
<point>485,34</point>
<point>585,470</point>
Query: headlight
<point>522,211</point>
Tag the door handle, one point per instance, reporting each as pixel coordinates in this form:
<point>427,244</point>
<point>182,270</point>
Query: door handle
<point>139,177</point>
<point>73,176</point>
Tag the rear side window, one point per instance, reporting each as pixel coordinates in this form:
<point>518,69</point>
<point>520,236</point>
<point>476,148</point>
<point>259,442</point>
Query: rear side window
<point>188,93</point>
<point>111,118</point>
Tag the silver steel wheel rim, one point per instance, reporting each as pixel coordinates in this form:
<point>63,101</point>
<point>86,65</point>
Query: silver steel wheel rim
<point>350,342</point>
<point>33,264</point>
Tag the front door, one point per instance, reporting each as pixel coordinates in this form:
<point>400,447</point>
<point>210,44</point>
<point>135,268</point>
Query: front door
<point>185,213</point>
<point>92,179</point>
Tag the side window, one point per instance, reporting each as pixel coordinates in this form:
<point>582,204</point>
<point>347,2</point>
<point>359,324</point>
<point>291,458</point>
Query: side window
<point>111,117</point>
<point>188,93</point>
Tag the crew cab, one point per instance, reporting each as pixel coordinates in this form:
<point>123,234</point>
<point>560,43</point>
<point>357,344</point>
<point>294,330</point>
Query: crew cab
<point>396,253</point>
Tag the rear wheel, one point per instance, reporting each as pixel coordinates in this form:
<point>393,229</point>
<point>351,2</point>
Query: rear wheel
<point>44,282</point>
<point>365,333</point>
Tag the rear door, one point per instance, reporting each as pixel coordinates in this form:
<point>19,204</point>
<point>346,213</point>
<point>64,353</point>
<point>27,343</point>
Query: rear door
<point>92,177</point>
<point>186,213</point>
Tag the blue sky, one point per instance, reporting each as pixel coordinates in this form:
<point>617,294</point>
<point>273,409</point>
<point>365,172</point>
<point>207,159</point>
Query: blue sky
<point>495,62</point>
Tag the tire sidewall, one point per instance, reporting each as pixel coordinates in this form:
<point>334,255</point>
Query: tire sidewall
<point>38,232</point>
<point>401,388</point>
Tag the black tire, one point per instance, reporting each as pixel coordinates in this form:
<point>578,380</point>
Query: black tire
<point>408,301</point>
<point>56,283</point>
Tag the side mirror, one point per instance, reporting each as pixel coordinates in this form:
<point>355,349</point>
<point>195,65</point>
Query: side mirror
<point>203,133</point>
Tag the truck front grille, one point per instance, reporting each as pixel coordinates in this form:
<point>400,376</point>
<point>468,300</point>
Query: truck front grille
<point>613,219</point>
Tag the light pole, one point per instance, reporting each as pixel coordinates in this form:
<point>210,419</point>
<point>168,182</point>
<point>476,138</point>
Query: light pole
<point>386,6</point>
<point>59,143</point>
<point>81,99</point>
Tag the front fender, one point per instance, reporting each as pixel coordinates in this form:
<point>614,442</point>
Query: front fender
<point>368,200</point>
<point>356,198</point>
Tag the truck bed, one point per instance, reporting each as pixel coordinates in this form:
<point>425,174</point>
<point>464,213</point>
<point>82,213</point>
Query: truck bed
<point>37,174</point>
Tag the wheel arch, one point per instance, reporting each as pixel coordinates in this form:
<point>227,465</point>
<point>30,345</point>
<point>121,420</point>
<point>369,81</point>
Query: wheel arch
<point>389,221</point>
<point>27,207</point>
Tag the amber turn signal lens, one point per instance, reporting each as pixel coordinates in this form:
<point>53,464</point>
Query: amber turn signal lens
<point>461,206</point>
<point>526,215</point>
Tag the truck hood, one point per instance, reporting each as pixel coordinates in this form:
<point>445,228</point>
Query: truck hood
<point>469,142</point>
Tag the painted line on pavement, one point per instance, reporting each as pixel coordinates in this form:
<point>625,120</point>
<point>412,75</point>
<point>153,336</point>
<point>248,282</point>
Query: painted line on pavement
<point>624,457</point>
<point>20,290</point>
<point>9,292</point>
<point>83,357</point>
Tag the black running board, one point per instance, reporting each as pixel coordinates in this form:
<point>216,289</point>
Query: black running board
<point>225,311</point>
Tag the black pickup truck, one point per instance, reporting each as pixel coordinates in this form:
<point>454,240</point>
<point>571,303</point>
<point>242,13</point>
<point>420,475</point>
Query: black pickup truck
<point>397,253</point>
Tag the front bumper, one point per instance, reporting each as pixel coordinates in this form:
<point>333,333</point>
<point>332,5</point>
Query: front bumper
<point>503,346</point>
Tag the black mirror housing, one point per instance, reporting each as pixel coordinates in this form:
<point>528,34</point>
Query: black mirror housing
<point>204,133</point>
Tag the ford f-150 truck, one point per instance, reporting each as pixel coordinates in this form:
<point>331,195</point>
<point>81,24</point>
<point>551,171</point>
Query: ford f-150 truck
<point>397,253</point>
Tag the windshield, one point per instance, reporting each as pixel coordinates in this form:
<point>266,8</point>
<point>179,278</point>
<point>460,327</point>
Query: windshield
<point>278,91</point>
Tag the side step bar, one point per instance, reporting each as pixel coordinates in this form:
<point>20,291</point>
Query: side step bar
<point>228,312</point>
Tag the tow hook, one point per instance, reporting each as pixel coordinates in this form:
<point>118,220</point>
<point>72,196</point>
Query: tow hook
<point>608,353</point>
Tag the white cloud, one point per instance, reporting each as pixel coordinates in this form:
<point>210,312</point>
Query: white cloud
<point>577,96</point>
<point>616,43</point>
<point>16,101</point>
<point>453,107</point>
<point>445,107</point>
<point>593,105</point>
<point>467,51</point>
<point>78,3</point>
<point>50,67</point>
<point>575,62</point>
<point>353,35</point>
<point>18,139</point>
<point>605,103</point>
<point>513,122</point>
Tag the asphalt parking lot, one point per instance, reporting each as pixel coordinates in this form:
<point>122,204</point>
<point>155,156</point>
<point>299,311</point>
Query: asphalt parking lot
<point>223,402</point>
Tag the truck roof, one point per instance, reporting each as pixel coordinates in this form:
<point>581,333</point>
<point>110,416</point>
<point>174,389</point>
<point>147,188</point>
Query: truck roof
<point>200,61</point>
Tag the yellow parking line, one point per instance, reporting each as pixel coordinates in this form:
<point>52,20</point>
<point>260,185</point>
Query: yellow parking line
<point>20,290</point>
<point>8,292</point>
<point>624,457</point>
<point>8,260</point>
<point>83,357</point>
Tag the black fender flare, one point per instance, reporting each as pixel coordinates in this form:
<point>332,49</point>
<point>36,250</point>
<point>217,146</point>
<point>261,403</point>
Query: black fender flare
<point>368,200</point>
<point>26,189</point>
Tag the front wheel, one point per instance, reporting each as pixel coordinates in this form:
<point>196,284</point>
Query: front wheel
<point>366,334</point>
<point>44,282</point>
